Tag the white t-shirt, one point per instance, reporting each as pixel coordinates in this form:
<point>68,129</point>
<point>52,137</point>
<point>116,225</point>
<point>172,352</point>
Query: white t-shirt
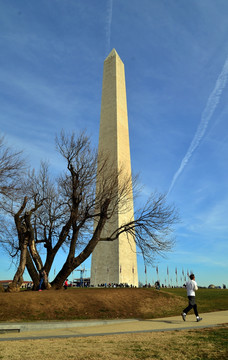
<point>191,287</point>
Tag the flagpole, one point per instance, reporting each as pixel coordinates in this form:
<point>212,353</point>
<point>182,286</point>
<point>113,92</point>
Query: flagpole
<point>145,275</point>
<point>176,276</point>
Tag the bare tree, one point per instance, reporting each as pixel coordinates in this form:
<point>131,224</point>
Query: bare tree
<point>71,211</point>
<point>34,215</point>
<point>11,167</point>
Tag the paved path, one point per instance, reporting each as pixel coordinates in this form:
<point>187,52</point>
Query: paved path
<point>66,329</point>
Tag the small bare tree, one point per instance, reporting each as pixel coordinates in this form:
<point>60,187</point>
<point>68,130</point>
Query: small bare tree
<point>31,214</point>
<point>11,167</point>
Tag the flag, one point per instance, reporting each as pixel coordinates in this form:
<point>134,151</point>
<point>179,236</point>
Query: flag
<point>167,270</point>
<point>145,269</point>
<point>157,269</point>
<point>176,271</point>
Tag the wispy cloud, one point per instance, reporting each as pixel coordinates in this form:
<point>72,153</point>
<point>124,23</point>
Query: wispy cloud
<point>212,221</point>
<point>108,24</point>
<point>194,259</point>
<point>208,111</point>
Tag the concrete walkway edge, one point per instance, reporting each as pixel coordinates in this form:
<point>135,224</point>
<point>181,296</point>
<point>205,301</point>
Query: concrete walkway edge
<point>45,325</point>
<point>69,329</point>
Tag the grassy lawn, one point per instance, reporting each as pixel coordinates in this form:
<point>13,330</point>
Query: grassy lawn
<point>202,344</point>
<point>199,344</point>
<point>207,299</point>
<point>105,303</point>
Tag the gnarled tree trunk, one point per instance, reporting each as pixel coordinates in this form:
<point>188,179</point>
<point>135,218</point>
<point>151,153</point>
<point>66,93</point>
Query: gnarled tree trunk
<point>18,277</point>
<point>71,262</point>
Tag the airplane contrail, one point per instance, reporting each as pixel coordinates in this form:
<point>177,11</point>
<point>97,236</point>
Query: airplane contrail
<point>208,111</point>
<point>108,25</point>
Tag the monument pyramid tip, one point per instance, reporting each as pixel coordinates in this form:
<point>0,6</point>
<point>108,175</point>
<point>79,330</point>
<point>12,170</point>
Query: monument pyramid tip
<point>112,53</point>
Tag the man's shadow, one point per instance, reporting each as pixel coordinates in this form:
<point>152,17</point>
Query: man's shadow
<point>163,321</point>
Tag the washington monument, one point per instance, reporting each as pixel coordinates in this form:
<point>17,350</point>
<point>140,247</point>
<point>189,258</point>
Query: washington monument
<point>115,261</point>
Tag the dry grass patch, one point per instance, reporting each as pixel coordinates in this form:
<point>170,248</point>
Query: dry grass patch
<point>88,304</point>
<point>174,345</point>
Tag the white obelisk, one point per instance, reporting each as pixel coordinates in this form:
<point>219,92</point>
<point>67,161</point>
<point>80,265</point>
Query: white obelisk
<point>116,261</point>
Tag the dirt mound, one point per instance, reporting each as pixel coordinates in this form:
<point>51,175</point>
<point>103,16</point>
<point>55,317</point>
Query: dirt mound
<point>88,304</point>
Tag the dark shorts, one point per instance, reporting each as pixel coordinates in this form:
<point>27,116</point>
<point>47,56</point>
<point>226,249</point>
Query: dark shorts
<point>191,300</point>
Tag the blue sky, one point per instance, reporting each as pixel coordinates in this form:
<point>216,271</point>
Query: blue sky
<point>176,62</point>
